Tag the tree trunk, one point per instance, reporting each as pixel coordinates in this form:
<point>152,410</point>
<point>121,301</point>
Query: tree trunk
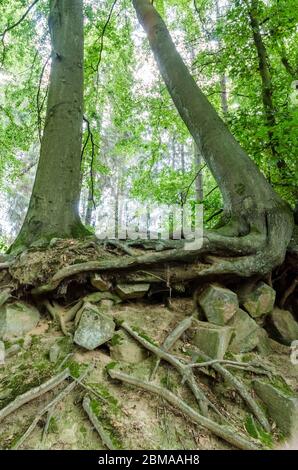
<point>267,87</point>
<point>54,205</point>
<point>250,204</point>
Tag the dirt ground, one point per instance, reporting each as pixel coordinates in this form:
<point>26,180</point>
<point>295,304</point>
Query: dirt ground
<point>134,419</point>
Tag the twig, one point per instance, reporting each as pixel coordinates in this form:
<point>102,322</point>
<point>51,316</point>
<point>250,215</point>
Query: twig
<point>96,423</point>
<point>14,25</point>
<point>34,393</point>
<point>49,406</point>
<point>171,340</point>
<point>227,433</point>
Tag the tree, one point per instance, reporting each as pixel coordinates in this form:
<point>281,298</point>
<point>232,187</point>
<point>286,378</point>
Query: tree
<point>53,208</point>
<point>253,212</point>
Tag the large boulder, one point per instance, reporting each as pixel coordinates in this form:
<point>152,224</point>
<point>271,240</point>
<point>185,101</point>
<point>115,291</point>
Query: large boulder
<point>284,326</point>
<point>257,300</point>
<point>246,333</point>
<point>94,329</point>
<point>281,403</point>
<point>132,291</point>
<point>123,348</point>
<point>17,319</point>
<point>211,339</point>
<point>218,304</point>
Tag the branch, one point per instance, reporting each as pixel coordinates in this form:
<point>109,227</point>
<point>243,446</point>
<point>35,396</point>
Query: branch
<point>102,37</point>
<point>10,27</point>
<point>90,135</point>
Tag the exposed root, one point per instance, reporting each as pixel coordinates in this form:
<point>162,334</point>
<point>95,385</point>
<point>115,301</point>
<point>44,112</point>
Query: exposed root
<point>96,423</point>
<point>49,407</point>
<point>242,390</point>
<point>34,393</point>
<point>172,339</point>
<point>61,315</point>
<point>186,374</point>
<point>227,433</point>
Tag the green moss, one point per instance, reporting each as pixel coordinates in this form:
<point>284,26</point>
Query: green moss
<point>53,426</point>
<point>255,430</point>
<point>104,416</point>
<point>281,385</point>
<point>144,335</point>
<point>106,395</point>
<point>111,366</point>
<point>115,340</point>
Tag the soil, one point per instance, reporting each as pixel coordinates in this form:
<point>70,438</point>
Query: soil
<point>135,419</point>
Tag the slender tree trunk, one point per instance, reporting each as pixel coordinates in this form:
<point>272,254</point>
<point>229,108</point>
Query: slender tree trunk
<point>54,205</point>
<point>267,86</point>
<point>199,178</point>
<point>251,207</point>
<point>89,208</point>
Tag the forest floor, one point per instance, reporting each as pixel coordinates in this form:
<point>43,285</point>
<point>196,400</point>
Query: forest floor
<point>132,418</point>
<point>136,419</point>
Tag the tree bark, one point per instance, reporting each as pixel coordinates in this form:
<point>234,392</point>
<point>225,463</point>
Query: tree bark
<point>250,204</point>
<point>54,205</point>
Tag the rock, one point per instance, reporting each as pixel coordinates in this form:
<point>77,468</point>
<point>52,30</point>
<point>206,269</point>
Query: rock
<point>4,296</point>
<point>264,346</point>
<point>257,300</point>
<point>246,333</point>
<point>132,291</point>
<point>54,352</point>
<point>13,350</point>
<point>282,405</point>
<point>99,283</point>
<point>213,340</point>
<point>123,348</point>
<point>219,304</point>
<point>94,329</point>
<point>16,319</point>
<point>2,353</point>
<point>99,296</point>
<point>106,304</point>
<point>27,342</point>
<point>284,326</point>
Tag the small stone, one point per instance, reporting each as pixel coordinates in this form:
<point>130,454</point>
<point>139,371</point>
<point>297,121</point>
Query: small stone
<point>4,296</point>
<point>94,329</point>
<point>2,353</point>
<point>27,342</point>
<point>219,304</point>
<point>282,405</point>
<point>246,333</point>
<point>17,319</point>
<point>106,304</point>
<point>123,348</point>
<point>13,350</point>
<point>132,291</point>
<point>284,326</point>
<point>257,300</point>
<point>213,340</point>
<point>99,283</point>
<point>54,352</point>
<point>5,393</point>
